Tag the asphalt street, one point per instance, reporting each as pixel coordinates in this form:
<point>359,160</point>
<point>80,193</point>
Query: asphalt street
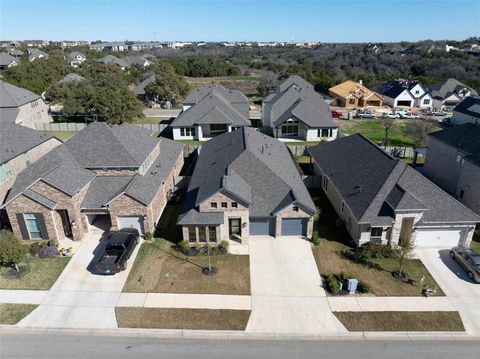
<point>72,345</point>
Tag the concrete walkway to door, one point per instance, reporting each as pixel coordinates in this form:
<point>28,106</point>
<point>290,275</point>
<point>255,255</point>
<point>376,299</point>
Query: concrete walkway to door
<point>287,293</point>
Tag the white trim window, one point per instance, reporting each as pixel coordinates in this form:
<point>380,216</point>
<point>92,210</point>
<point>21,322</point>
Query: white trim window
<point>376,234</point>
<point>187,131</point>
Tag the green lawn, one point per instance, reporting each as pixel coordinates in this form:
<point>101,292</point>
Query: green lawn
<point>168,318</point>
<point>374,131</point>
<point>475,245</point>
<point>303,143</point>
<point>13,313</point>
<point>43,272</point>
<point>191,142</point>
<point>377,272</point>
<point>302,159</point>
<point>63,135</point>
<point>246,78</point>
<point>401,321</point>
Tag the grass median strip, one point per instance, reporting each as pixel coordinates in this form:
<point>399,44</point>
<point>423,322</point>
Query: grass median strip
<point>13,313</point>
<point>169,318</point>
<point>401,321</point>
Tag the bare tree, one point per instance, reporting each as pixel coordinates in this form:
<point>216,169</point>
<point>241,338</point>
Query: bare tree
<point>387,123</point>
<point>419,131</point>
<point>405,248</point>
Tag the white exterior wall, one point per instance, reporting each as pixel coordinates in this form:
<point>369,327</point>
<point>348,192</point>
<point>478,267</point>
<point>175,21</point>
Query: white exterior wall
<point>32,113</point>
<point>198,134</point>
<point>312,135</point>
<point>462,118</point>
<point>417,91</point>
<point>420,103</point>
<point>404,96</point>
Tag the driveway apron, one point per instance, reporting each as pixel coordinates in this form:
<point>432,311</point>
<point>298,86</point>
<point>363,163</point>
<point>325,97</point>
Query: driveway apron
<point>463,293</point>
<point>79,298</point>
<point>287,293</point>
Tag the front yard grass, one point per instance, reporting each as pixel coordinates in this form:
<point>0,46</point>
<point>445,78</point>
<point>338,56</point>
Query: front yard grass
<point>401,321</point>
<point>377,272</point>
<point>159,268</point>
<point>475,244</point>
<point>13,313</point>
<point>168,318</point>
<point>41,276</point>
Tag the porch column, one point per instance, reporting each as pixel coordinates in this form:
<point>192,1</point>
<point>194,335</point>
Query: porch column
<point>229,128</point>
<point>199,133</point>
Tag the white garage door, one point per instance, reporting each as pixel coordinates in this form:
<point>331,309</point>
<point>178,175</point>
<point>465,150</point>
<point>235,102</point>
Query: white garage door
<point>439,237</point>
<point>131,222</point>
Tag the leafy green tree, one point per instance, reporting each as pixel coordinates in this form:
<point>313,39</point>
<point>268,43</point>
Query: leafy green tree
<point>12,251</point>
<point>168,86</point>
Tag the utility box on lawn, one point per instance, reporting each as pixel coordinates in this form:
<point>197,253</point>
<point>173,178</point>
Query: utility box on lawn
<point>352,285</point>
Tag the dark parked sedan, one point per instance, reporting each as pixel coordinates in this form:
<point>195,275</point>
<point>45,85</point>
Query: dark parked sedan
<point>469,260</point>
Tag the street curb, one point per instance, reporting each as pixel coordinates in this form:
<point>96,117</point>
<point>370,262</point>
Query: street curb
<point>234,335</point>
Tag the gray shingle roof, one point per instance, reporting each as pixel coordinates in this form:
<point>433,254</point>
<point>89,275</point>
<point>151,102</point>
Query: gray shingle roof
<point>255,168</point>
<point>73,55</point>
<point>372,183</point>
<point>296,81</point>
<point>17,139</point>
<point>393,88</point>
<point>13,96</point>
<point>304,104</point>
<point>100,145</point>
<point>8,115</point>
<point>466,106</point>
<point>110,59</point>
<point>103,189</point>
<point>144,188</point>
<point>232,96</point>
<point>134,60</point>
<point>444,89</point>
<point>465,138</point>
<point>212,109</point>
<point>71,78</point>
<point>36,53</point>
<point>66,167</point>
<point>37,197</point>
<point>6,59</point>
<point>139,90</point>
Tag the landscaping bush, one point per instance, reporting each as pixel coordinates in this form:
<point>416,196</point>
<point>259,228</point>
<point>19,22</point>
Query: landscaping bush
<point>363,287</point>
<point>376,250</point>
<point>333,284</point>
<point>223,247</point>
<point>52,243</point>
<point>48,252</point>
<point>35,247</point>
<point>148,236</point>
<point>315,239</point>
<point>183,247</point>
<point>12,251</point>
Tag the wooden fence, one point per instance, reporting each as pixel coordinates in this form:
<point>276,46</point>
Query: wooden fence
<point>78,126</point>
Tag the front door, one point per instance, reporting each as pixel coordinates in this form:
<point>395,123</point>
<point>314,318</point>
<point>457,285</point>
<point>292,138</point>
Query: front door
<point>67,227</point>
<point>234,227</point>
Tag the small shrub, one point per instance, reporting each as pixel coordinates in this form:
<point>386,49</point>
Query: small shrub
<point>223,247</point>
<point>48,252</point>
<point>363,287</point>
<point>376,250</point>
<point>333,284</point>
<point>12,251</point>
<point>35,247</point>
<point>183,247</point>
<point>315,239</point>
<point>148,236</point>
<point>52,243</point>
<point>344,276</point>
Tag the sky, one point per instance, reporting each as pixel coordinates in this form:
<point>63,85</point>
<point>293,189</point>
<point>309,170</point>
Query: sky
<point>264,20</point>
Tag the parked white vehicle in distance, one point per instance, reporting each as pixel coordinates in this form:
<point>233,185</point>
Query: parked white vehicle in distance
<point>391,115</point>
<point>407,115</point>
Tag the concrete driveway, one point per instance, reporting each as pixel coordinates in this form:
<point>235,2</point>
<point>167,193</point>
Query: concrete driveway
<point>287,293</point>
<point>80,298</point>
<point>464,294</point>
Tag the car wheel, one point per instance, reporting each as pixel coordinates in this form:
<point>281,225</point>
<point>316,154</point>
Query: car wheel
<point>452,255</point>
<point>470,275</point>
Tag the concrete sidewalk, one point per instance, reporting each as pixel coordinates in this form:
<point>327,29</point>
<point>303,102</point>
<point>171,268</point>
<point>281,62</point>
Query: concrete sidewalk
<point>390,304</point>
<point>196,301</point>
<point>22,296</point>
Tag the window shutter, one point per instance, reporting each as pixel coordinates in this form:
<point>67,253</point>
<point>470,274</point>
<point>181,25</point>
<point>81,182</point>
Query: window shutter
<point>41,225</point>
<point>23,226</point>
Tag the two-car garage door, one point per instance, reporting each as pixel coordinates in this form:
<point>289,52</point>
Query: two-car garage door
<point>131,222</point>
<point>436,237</point>
<point>294,226</point>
